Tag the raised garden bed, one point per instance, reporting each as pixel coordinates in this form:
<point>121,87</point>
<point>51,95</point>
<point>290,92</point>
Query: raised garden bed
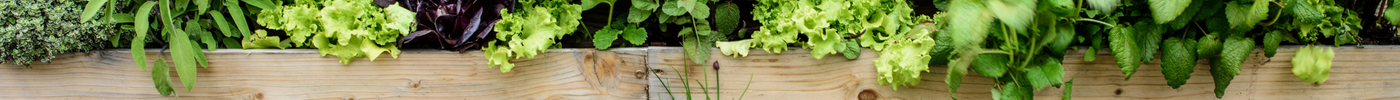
<point>1358,73</point>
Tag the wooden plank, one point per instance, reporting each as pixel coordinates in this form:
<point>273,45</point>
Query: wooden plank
<point>305,74</point>
<point>1357,73</point>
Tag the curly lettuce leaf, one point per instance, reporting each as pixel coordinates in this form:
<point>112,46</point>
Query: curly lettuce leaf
<point>1313,64</point>
<point>531,30</point>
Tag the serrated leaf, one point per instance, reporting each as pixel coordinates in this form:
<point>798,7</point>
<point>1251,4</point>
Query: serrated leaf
<point>91,9</point>
<point>672,8</point>
<point>1208,46</point>
<point>637,15</point>
<point>697,47</point>
<point>1048,73</point>
<point>138,42</point>
<point>1224,69</point>
<point>604,38</point>
<point>1017,15</point>
<point>701,11</point>
<point>1243,16</point>
<point>1149,38</point>
<point>1178,61</point>
<point>852,50</point>
<point>1105,6</point>
<point>634,34</point>
<point>727,18</point>
<point>1271,41</point>
<point>1125,50</point>
<point>1164,11</point>
<point>160,75</point>
<point>991,65</point>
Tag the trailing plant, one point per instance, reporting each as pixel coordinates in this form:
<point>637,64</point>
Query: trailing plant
<point>38,30</point>
<point>1019,43</point>
<point>184,27</point>
<point>348,29</point>
<point>456,25</point>
<point>531,29</point>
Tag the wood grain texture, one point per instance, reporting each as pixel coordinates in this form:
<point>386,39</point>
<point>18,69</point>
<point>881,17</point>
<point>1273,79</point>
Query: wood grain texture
<point>305,74</point>
<point>1357,73</point>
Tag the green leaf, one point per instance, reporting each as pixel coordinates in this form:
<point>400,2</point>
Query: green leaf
<point>1125,50</point>
<point>1017,15</point>
<point>223,25</point>
<point>701,11</point>
<point>1313,64</point>
<point>264,4</point>
<point>230,42</point>
<point>1106,6</point>
<point>697,47</point>
<point>648,5</point>
<point>236,11</point>
<point>672,8</point>
<point>1091,54</point>
<point>637,15</point>
<point>1393,14</point>
<point>727,18</point>
<point>1062,41</point>
<point>604,38</point>
<point>1069,88</point>
<point>91,10</point>
<point>1048,73</point>
<point>1224,69</point>
<point>138,43</point>
<point>1304,12</point>
<point>973,19</point>
<point>160,75</point>
<point>119,18</point>
<point>1271,41</point>
<point>634,34</point>
<point>184,56</point>
<point>735,48</point>
<point>202,5</point>
<point>192,27</point>
<point>852,49</point>
<point>1178,61</point>
<point>1149,38</point>
<point>1209,46</point>
<point>589,4</point>
<point>1164,11</point>
<point>991,65</point>
<point>1244,16</point>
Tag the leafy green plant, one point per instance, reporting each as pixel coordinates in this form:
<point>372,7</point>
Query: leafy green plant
<point>184,30</point>
<point>1018,43</point>
<point>530,30</point>
<point>38,30</point>
<point>348,29</point>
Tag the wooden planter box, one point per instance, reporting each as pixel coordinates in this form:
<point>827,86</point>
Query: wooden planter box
<point>586,73</point>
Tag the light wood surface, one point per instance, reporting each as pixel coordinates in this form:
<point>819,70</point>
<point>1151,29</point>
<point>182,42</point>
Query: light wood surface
<point>1357,73</point>
<point>305,74</point>
<point>585,73</point>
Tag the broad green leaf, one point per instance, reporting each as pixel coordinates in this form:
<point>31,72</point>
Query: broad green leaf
<point>138,42</point>
<point>1011,91</point>
<point>635,35</point>
<point>697,47</point>
<point>1243,16</point>
<point>1149,38</point>
<point>160,75</point>
<point>991,65</point>
<point>1304,12</point>
<point>1224,69</point>
<point>1049,72</point>
<point>648,5</point>
<point>1164,11</point>
<point>1393,14</point>
<point>184,56</point>
<point>687,5</point>
<point>589,4</point>
<point>264,4</point>
<point>1062,41</point>
<point>1178,61</point>
<point>230,42</point>
<point>1069,88</point>
<point>672,8</point>
<point>1313,64</point>
<point>1125,50</point>
<point>974,19</point>
<point>192,27</point>
<point>91,9</point>
<point>1091,54</point>
<point>604,38</point>
<point>202,5</point>
<point>727,18</point>
<point>701,11</point>
<point>1186,15</point>
<point>1271,41</point>
<point>635,15</point>
<point>1209,8</point>
<point>663,18</point>
<point>239,21</point>
<point>1208,46</point>
<point>119,18</point>
<point>852,49</point>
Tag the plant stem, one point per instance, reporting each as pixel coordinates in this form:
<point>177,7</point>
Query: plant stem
<point>1095,21</point>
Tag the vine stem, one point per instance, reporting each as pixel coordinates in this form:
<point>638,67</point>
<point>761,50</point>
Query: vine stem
<point>1095,21</point>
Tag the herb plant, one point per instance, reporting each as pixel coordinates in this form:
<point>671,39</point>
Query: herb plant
<point>531,29</point>
<point>456,25</point>
<point>348,29</point>
<point>37,30</point>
